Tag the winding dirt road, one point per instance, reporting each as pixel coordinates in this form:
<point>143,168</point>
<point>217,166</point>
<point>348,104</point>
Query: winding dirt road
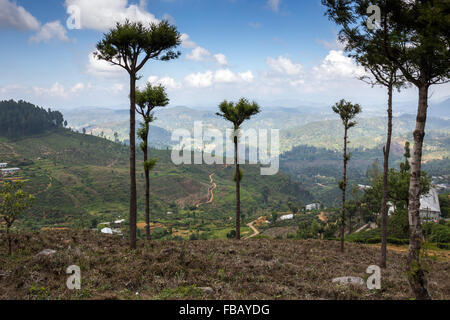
<point>255,231</point>
<point>210,191</point>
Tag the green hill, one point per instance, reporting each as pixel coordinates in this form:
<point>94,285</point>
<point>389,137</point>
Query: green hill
<point>81,180</point>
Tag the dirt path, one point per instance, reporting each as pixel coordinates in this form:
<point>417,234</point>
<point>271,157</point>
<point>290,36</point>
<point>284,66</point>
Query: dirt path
<point>210,191</point>
<point>255,231</point>
<point>443,255</point>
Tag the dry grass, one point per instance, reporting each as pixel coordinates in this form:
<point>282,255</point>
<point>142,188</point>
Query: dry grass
<point>254,269</point>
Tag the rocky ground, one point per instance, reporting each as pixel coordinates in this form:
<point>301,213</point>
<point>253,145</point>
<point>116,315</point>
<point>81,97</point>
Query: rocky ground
<point>221,269</point>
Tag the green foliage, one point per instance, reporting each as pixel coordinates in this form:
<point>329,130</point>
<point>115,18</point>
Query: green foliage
<point>436,233</point>
<point>398,186</point>
<point>18,119</point>
<point>347,112</point>
<point>150,164</point>
<point>398,224</point>
<point>444,201</point>
<point>238,112</point>
<point>231,234</point>
<point>13,201</point>
<point>241,175</point>
<point>151,97</point>
<point>124,44</point>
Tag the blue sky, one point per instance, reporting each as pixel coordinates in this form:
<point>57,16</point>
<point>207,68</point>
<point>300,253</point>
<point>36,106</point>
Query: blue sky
<point>278,52</point>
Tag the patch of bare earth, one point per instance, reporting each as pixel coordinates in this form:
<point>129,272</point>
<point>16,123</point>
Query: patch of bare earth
<point>253,269</point>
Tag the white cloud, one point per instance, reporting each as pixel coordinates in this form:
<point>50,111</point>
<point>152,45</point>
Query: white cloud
<point>246,76</point>
<point>274,4</point>
<point>16,17</point>
<point>77,87</point>
<point>186,42</point>
<point>221,59</point>
<point>165,81</point>
<point>103,68</point>
<point>56,90</point>
<point>221,76</point>
<point>284,66</point>
<point>49,31</point>
<point>198,54</point>
<point>200,80</point>
<point>337,65</point>
<point>103,14</point>
<point>224,76</point>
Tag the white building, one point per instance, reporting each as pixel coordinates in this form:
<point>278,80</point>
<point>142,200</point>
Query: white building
<point>287,217</point>
<point>3,164</point>
<point>429,205</point>
<point>313,206</point>
<point>9,171</point>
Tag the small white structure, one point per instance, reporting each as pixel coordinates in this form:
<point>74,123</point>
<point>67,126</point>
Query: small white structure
<point>9,171</point>
<point>363,187</point>
<point>107,231</point>
<point>287,217</point>
<point>119,221</point>
<point>429,205</point>
<point>313,206</point>
<point>3,164</point>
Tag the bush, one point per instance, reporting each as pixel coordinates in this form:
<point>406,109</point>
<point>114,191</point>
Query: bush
<point>440,234</point>
<point>445,246</point>
<point>231,234</point>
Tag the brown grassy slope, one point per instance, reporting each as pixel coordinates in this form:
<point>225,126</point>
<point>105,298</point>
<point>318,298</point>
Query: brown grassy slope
<point>254,269</point>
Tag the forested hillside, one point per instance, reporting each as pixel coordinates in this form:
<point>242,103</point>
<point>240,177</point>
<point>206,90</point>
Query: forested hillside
<point>81,180</point>
<point>18,119</point>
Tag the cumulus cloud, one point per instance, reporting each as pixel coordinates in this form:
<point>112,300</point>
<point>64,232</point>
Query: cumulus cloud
<point>103,68</point>
<point>200,80</point>
<point>103,14</point>
<point>337,65</point>
<point>221,76</point>
<point>165,81</point>
<point>77,87</point>
<point>16,17</point>
<point>284,66</point>
<point>221,59</point>
<point>56,90</point>
<point>186,42</point>
<point>49,31</point>
<point>198,54</point>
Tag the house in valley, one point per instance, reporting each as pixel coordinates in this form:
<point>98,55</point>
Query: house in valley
<point>429,205</point>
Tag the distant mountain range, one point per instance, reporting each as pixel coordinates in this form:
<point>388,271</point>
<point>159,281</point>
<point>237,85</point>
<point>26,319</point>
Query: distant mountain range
<point>316,126</point>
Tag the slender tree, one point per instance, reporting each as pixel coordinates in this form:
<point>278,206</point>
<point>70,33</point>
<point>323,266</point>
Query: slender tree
<point>13,202</point>
<point>347,112</point>
<point>147,100</point>
<point>415,37</point>
<point>237,113</point>
<point>369,52</point>
<point>131,45</point>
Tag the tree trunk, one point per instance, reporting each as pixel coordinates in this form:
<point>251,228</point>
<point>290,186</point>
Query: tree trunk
<point>8,239</point>
<point>133,204</point>
<point>238,190</point>
<point>344,187</point>
<point>386,151</point>
<point>147,191</point>
<point>416,273</point>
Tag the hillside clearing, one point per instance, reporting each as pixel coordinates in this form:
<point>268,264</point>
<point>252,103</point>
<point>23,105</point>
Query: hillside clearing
<point>253,269</point>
